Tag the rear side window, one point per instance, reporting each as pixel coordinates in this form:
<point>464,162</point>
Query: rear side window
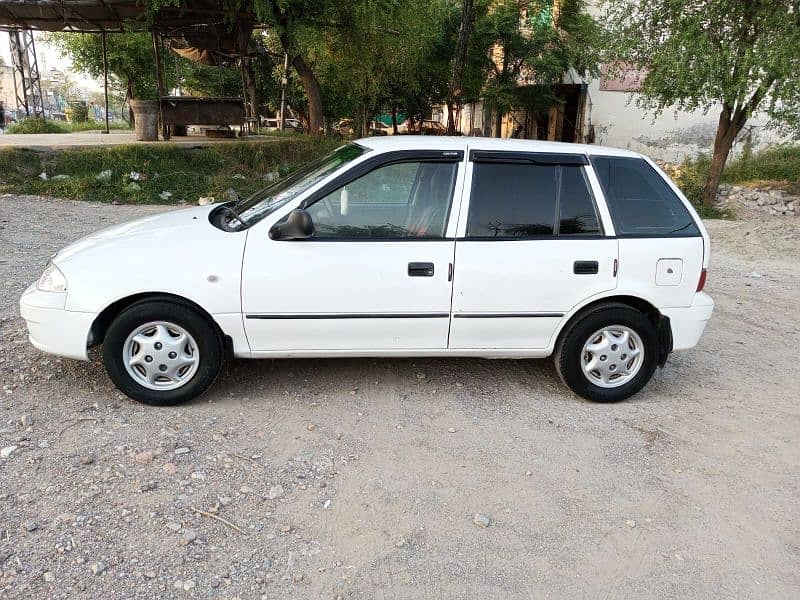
<point>640,201</point>
<point>522,200</point>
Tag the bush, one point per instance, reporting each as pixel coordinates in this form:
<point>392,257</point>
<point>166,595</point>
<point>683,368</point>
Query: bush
<point>78,112</point>
<point>36,125</point>
<point>781,163</point>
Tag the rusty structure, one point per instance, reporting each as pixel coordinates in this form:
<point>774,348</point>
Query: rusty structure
<point>202,30</point>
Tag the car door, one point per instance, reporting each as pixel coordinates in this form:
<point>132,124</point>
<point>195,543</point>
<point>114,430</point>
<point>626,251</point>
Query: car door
<point>374,277</point>
<point>530,248</point>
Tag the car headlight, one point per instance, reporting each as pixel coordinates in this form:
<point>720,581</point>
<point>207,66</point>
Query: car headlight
<point>52,280</point>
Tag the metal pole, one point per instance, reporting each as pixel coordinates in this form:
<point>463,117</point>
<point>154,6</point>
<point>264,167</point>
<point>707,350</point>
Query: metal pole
<point>284,82</point>
<point>105,77</point>
<point>160,81</point>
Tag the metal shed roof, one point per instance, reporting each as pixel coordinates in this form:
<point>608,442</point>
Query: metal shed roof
<point>111,15</point>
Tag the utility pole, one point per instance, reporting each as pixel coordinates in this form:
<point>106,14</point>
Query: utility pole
<point>284,82</point>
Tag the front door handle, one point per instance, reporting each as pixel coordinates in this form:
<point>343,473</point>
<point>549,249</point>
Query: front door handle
<point>420,269</point>
<point>585,267</point>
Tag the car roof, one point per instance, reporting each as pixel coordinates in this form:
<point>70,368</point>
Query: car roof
<point>424,142</point>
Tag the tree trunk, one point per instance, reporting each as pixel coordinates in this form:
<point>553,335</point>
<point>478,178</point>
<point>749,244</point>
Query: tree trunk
<point>727,130</point>
<point>498,123</point>
<point>394,120</point>
<point>459,63</point>
<point>312,89</point>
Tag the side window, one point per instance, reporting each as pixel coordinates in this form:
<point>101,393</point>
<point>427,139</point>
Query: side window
<point>519,200</point>
<point>512,200</point>
<point>399,200</point>
<point>640,201</point>
<point>576,212</point>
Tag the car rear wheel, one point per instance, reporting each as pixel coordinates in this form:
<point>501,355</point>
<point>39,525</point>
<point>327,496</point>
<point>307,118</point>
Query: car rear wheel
<point>609,354</point>
<point>162,353</point>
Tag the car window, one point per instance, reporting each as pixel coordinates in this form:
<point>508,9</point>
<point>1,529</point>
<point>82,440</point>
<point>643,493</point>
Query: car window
<point>512,200</point>
<point>640,201</point>
<point>398,200</point>
<point>577,215</point>
<point>266,201</point>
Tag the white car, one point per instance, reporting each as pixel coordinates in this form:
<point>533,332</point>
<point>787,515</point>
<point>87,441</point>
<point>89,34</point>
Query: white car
<point>396,246</point>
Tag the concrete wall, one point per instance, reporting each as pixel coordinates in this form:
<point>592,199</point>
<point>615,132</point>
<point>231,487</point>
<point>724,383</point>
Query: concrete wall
<point>670,137</point>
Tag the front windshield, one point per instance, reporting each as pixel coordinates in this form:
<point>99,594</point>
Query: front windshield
<point>272,197</point>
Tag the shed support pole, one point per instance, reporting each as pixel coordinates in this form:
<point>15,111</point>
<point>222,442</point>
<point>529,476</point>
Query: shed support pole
<point>160,81</point>
<point>105,78</point>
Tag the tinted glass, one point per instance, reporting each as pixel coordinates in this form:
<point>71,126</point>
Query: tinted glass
<point>640,201</point>
<point>512,200</point>
<point>576,207</point>
<point>401,200</point>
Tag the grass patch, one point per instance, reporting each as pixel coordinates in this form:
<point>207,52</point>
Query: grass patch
<point>38,125</point>
<point>103,174</point>
<point>772,168</point>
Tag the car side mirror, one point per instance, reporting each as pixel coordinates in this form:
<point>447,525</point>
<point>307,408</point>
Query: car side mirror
<point>297,225</point>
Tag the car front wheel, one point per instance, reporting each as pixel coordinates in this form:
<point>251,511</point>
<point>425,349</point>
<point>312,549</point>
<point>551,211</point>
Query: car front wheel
<point>609,354</point>
<point>162,353</point>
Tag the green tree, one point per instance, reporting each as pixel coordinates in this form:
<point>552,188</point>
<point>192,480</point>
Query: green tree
<point>735,56</point>
<point>130,59</point>
<point>532,44</point>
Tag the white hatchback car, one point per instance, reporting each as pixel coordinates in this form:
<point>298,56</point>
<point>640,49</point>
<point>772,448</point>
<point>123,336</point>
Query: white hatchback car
<point>396,246</point>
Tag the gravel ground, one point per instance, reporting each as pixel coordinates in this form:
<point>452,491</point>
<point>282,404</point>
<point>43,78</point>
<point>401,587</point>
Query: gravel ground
<point>408,478</point>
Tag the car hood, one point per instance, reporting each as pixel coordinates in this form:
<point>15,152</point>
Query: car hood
<point>184,224</point>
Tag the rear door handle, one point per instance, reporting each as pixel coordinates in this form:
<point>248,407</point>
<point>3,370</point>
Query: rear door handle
<point>420,269</point>
<point>585,267</point>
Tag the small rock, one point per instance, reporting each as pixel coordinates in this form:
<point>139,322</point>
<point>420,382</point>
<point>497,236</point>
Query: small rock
<point>181,451</point>
<point>205,200</point>
<point>30,526</point>
<point>104,175</point>
<point>170,468</point>
<point>188,585</point>
<point>311,427</point>
<point>99,567</point>
<point>275,492</point>
<point>59,178</point>
<point>451,430</point>
<point>87,460</point>
<point>150,574</point>
<point>165,195</point>
<point>421,376</point>
<point>630,523</point>
<point>188,537</point>
<point>225,500</point>
<point>173,526</point>
<point>26,421</point>
<point>481,520</point>
<point>7,451</point>
<point>400,543</point>
<point>49,577</point>
<point>43,176</point>
<point>286,529</point>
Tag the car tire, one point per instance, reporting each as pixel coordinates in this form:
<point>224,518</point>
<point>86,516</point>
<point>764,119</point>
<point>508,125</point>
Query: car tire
<point>162,353</point>
<point>595,355</point>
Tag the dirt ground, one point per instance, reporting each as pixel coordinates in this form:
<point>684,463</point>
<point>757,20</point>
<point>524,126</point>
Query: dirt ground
<point>362,478</point>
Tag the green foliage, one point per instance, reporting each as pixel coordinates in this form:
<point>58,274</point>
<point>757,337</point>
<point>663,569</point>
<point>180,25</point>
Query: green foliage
<point>781,163</point>
<point>78,112</point>
<point>697,54</point>
<point>36,125</point>
<point>691,177</point>
<point>187,173</point>
<point>537,53</point>
<point>39,125</point>
<point>130,59</point>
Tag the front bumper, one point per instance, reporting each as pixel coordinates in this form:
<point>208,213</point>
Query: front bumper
<point>688,323</point>
<point>53,329</point>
